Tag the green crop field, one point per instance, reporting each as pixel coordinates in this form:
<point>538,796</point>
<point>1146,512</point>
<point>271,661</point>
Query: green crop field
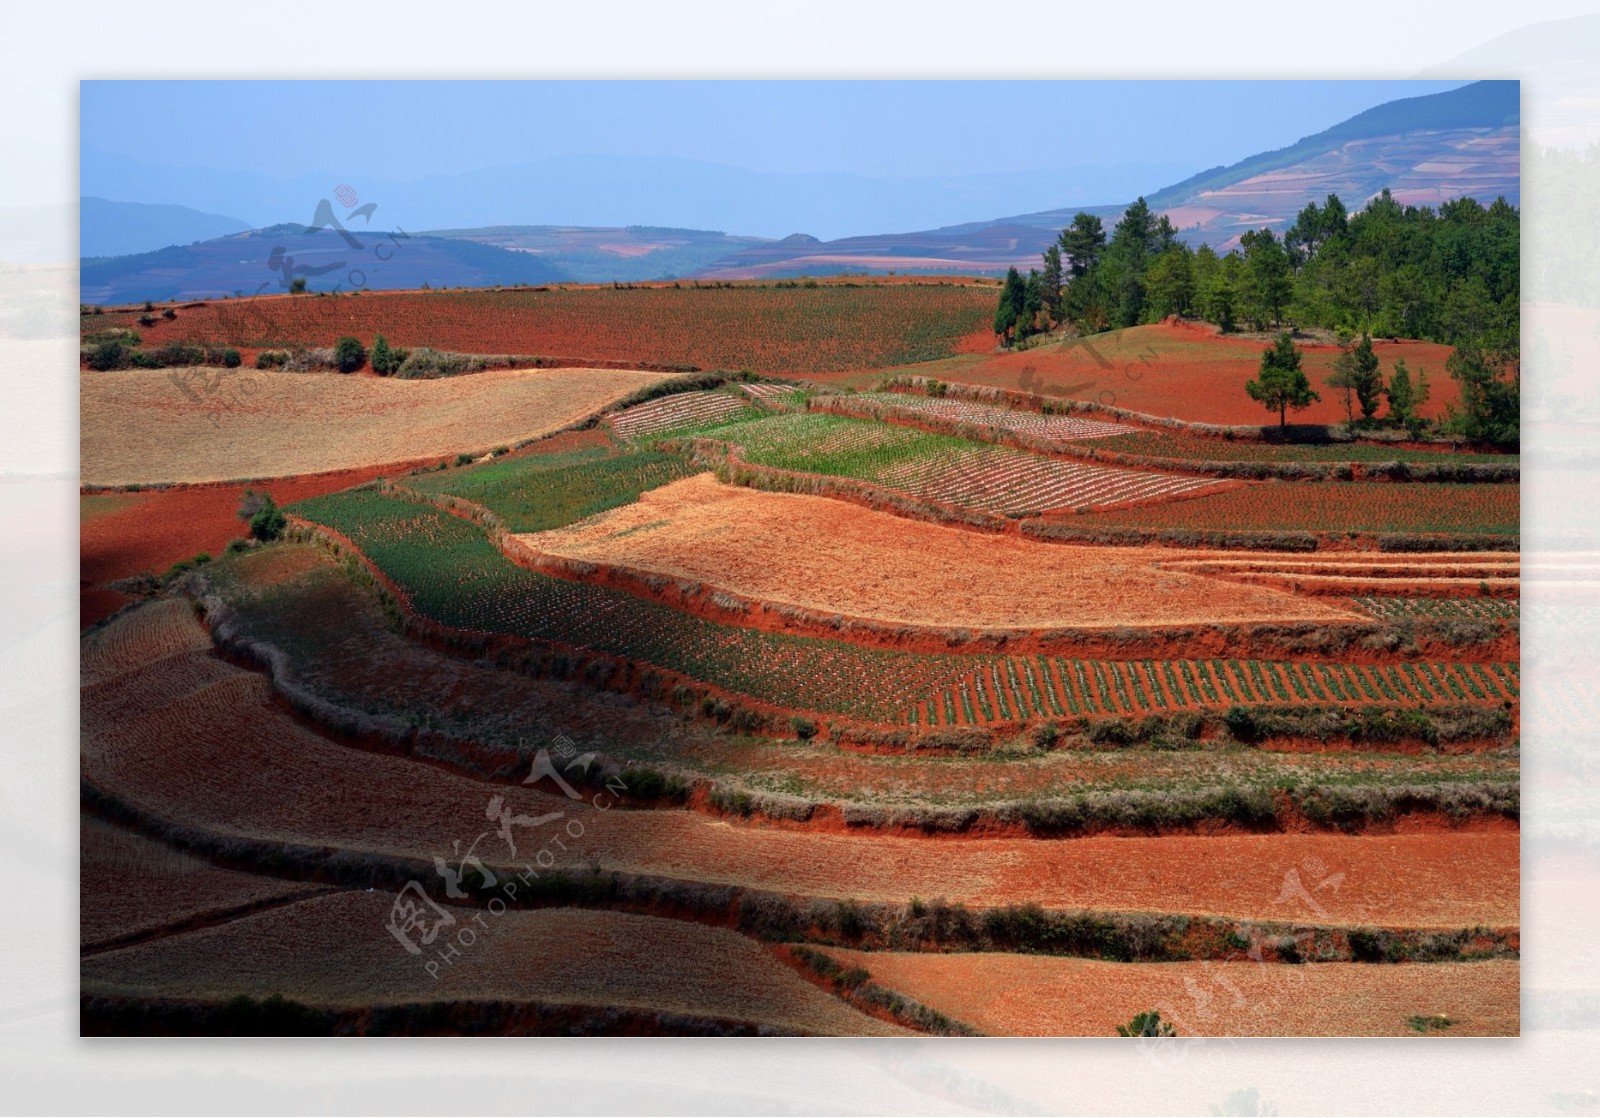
<point>541,492</point>
<point>455,576</point>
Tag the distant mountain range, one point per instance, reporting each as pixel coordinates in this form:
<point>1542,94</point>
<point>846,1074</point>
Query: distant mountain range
<point>107,228</point>
<point>1424,149</point>
<point>266,261</point>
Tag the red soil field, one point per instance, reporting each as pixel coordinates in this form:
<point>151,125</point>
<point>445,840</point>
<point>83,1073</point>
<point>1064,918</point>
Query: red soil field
<point>148,531</point>
<point>130,886</point>
<point>1186,371</point>
<point>831,556</point>
<point>243,768</point>
<point>1331,506</point>
<point>337,951</point>
<point>1029,995</point>
<point>769,329</point>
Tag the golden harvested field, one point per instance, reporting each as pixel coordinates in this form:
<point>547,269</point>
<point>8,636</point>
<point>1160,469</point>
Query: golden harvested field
<point>196,425</point>
<point>241,767</point>
<point>337,951</point>
<point>837,557</point>
<point>129,885</point>
<point>1030,995</point>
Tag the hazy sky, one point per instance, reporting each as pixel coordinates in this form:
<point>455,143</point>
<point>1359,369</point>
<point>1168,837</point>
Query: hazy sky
<point>402,130</point>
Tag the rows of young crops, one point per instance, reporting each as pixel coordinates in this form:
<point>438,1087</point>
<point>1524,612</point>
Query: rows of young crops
<point>771,329</point>
<point>455,576</point>
<point>1024,688</point>
<point>770,392</point>
<point>1445,609</point>
<point>943,468</point>
<point>680,411</point>
<point>537,493</point>
<point>1355,506</point>
<point>1005,419</point>
<point>1013,482</point>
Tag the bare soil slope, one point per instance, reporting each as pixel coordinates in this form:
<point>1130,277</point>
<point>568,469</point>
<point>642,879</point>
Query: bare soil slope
<point>337,951</point>
<point>1030,995</point>
<point>195,425</point>
<point>837,557</point>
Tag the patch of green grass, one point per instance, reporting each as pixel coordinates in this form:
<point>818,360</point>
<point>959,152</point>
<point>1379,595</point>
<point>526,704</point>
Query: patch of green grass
<point>542,492</point>
<point>820,443</point>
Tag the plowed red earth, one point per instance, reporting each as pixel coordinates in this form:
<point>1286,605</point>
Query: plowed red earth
<point>237,766</point>
<point>337,951</point>
<point>770,329</point>
<point>830,556</point>
<point>1028,995</point>
<point>131,886</point>
<point>1185,371</point>
<point>148,531</point>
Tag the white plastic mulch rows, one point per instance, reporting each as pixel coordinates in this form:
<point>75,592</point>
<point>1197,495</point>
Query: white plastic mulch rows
<point>1011,482</point>
<point>686,409</point>
<point>988,415</point>
<point>770,391</point>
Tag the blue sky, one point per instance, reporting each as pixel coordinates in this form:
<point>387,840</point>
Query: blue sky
<point>870,128</point>
<point>766,158</point>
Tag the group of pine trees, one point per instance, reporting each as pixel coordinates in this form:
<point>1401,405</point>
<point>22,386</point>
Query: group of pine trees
<point>1449,275</point>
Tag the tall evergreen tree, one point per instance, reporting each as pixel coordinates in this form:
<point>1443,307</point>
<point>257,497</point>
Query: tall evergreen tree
<point>1281,383</point>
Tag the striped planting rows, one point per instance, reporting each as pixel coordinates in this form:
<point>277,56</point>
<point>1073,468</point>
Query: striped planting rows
<point>1022,688</point>
<point>769,391</point>
<point>1477,609</point>
<point>1005,419</point>
<point>686,409</point>
<point>1010,482</point>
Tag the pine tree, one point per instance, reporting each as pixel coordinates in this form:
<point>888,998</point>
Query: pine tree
<point>1281,384</point>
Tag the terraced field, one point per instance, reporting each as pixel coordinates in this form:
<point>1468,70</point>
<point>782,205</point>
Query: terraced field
<point>1033,688</point>
<point>337,952</point>
<point>942,468</point>
<point>810,551</point>
<point>200,425</point>
<point>340,645</point>
<point>887,731</point>
<point>686,409</point>
<point>245,771</point>
<point>1022,995</point>
<point>1350,507</point>
<point>773,329</point>
<point>1059,427</point>
<point>454,575</point>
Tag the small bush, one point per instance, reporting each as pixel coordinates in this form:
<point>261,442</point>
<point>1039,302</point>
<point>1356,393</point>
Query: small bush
<point>348,355</point>
<point>804,728</point>
<point>1148,1023</point>
<point>271,359</point>
<point>268,521</point>
<point>108,355</point>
